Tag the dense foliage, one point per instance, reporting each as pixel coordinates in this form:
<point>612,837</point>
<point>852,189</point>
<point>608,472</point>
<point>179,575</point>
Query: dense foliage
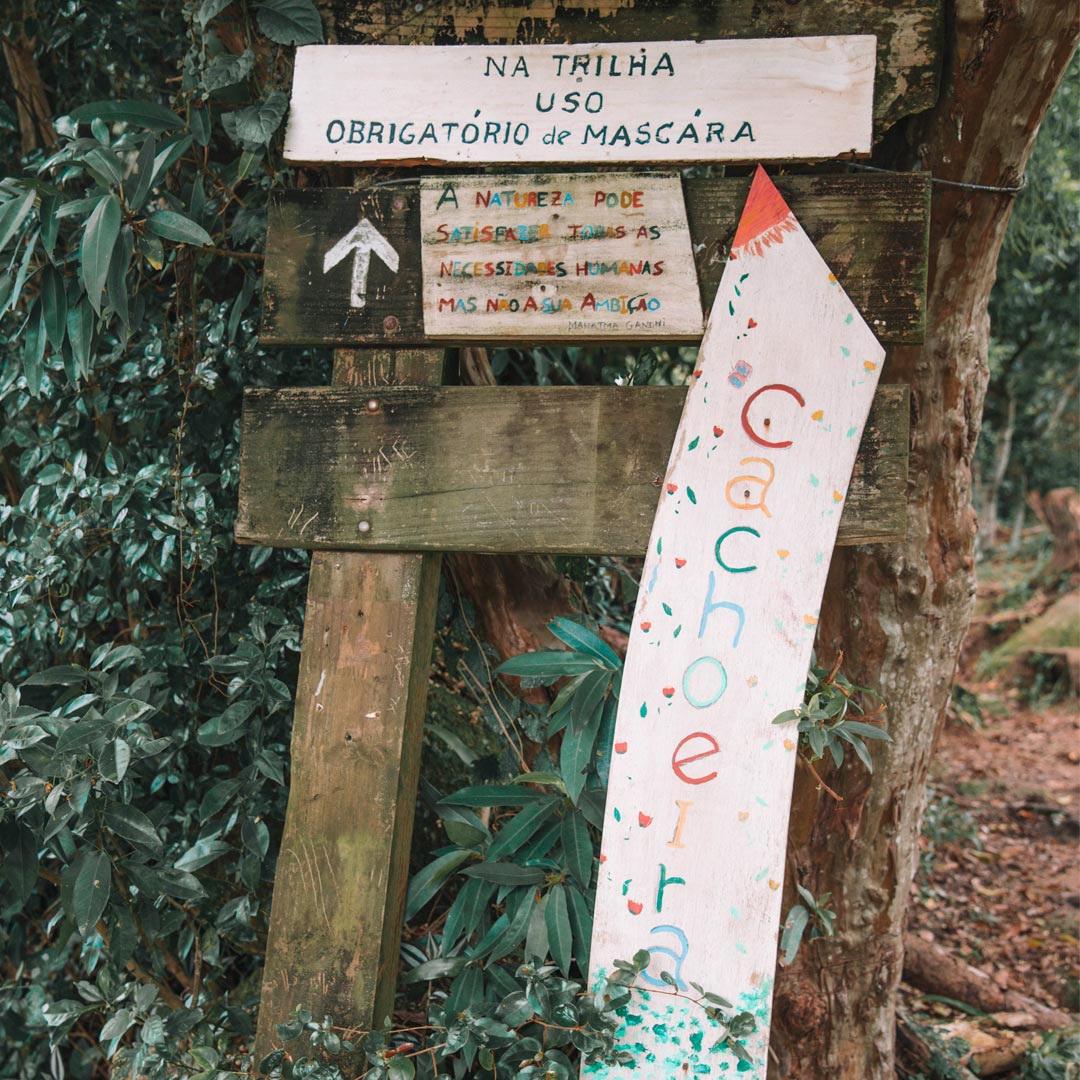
<point>148,661</point>
<point>1031,424</point>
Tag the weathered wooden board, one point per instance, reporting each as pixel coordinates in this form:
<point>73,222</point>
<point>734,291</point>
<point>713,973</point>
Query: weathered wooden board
<point>872,229</point>
<point>909,32</point>
<point>557,255</point>
<point>692,859</point>
<point>571,470</point>
<point>339,890</point>
<point>762,99</point>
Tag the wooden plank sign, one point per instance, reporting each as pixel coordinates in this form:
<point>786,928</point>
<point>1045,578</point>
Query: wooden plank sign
<point>870,227</point>
<point>565,255</point>
<point>660,101</point>
<point>700,785</point>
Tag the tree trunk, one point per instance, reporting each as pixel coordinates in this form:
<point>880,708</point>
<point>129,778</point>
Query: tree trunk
<point>31,101</point>
<point>900,612</point>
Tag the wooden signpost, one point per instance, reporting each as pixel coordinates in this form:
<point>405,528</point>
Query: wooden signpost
<point>765,100</point>
<point>387,465</point>
<point>700,787</point>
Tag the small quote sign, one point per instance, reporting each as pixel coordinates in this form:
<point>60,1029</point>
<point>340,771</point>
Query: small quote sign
<point>530,256</point>
<point>662,101</point>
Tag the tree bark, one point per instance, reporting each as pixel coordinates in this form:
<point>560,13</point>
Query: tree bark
<point>900,612</point>
<point>31,101</point>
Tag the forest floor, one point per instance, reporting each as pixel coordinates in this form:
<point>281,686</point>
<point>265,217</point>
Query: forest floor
<point>999,879</point>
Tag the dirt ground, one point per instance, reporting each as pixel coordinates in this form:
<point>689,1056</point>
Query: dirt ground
<point>999,881</point>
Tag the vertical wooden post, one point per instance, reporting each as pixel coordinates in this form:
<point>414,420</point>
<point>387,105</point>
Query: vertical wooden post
<point>343,868</point>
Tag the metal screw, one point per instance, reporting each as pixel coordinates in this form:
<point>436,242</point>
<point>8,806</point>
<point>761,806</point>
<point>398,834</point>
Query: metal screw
<point>372,405</point>
<point>391,324</point>
<point>364,526</point>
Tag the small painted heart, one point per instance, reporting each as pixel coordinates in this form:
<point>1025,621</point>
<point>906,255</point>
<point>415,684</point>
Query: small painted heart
<point>669,691</point>
<point>646,626</point>
<point>751,324</point>
<point>680,563</point>
<point>634,906</point>
<point>672,488</point>
<point>620,748</point>
<point>644,820</point>
<point>717,431</point>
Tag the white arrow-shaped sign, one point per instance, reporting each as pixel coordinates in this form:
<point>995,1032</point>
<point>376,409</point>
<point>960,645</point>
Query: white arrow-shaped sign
<point>362,240</point>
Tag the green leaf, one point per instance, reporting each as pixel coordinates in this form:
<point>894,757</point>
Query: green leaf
<point>426,883</point>
<point>173,226</point>
<point>91,893</point>
<point>115,760</point>
<point>794,926</point>
<point>560,939</point>
<point>12,214</point>
<point>33,351</point>
<point>867,731</point>
<point>577,847</point>
<point>80,329</point>
<point>227,726</point>
<point>133,825</point>
<point>520,827</point>
<point>290,22</point>
<point>588,700</point>
<point>467,911</point>
<point>511,937</point>
<point>506,873</point>
<point>53,305</point>
<point>98,242</point>
<point>583,640</point>
<point>536,937</point>
<point>576,753</point>
<point>401,1068</point>
<point>201,853</point>
<point>147,114</point>
<point>168,154</point>
<point>495,795</point>
<point>254,126</point>
<point>581,921</point>
<point>548,663</point>
<point>439,968</point>
<point>227,70</point>
<point>20,865</point>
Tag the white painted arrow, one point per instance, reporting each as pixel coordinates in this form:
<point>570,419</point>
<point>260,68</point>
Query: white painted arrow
<point>362,240</point>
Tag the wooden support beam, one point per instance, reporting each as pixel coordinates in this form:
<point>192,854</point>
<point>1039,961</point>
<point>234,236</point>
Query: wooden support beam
<point>343,869</point>
<point>570,470</point>
<point>871,228</point>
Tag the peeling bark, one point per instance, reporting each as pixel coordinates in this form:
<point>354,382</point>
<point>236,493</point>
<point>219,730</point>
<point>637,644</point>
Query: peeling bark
<point>900,612</point>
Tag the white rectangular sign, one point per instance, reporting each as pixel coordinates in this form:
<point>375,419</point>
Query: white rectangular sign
<point>575,255</point>
<point>768,99</point>
<point>692,862</point>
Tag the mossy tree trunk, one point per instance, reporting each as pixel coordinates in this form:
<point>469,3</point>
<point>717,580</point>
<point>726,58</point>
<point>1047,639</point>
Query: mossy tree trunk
<point>900,612</point>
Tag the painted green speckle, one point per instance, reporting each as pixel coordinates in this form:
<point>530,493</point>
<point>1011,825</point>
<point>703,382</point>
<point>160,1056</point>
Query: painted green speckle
<point>626,886</point>
<point>760,801</point>
<point>615,812</point>
<point>814,480</point>
<point>644,710</point>
<point>852,432</point>
<point>846,352</point>
<point>667,609</point>
<point>735,912</point>
<point>847,321</point>
<point>730,308</point>
<point>690,491</point>
<point>693,442</point>
<point>678,630</point>
<point>696,1039</point>
<point>660,1031</point>
<point>659,544</point>
<point>769,745</point>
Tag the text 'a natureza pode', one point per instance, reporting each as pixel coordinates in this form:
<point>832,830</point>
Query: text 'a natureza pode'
<point>565,254</point>
<point>768,99</point>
